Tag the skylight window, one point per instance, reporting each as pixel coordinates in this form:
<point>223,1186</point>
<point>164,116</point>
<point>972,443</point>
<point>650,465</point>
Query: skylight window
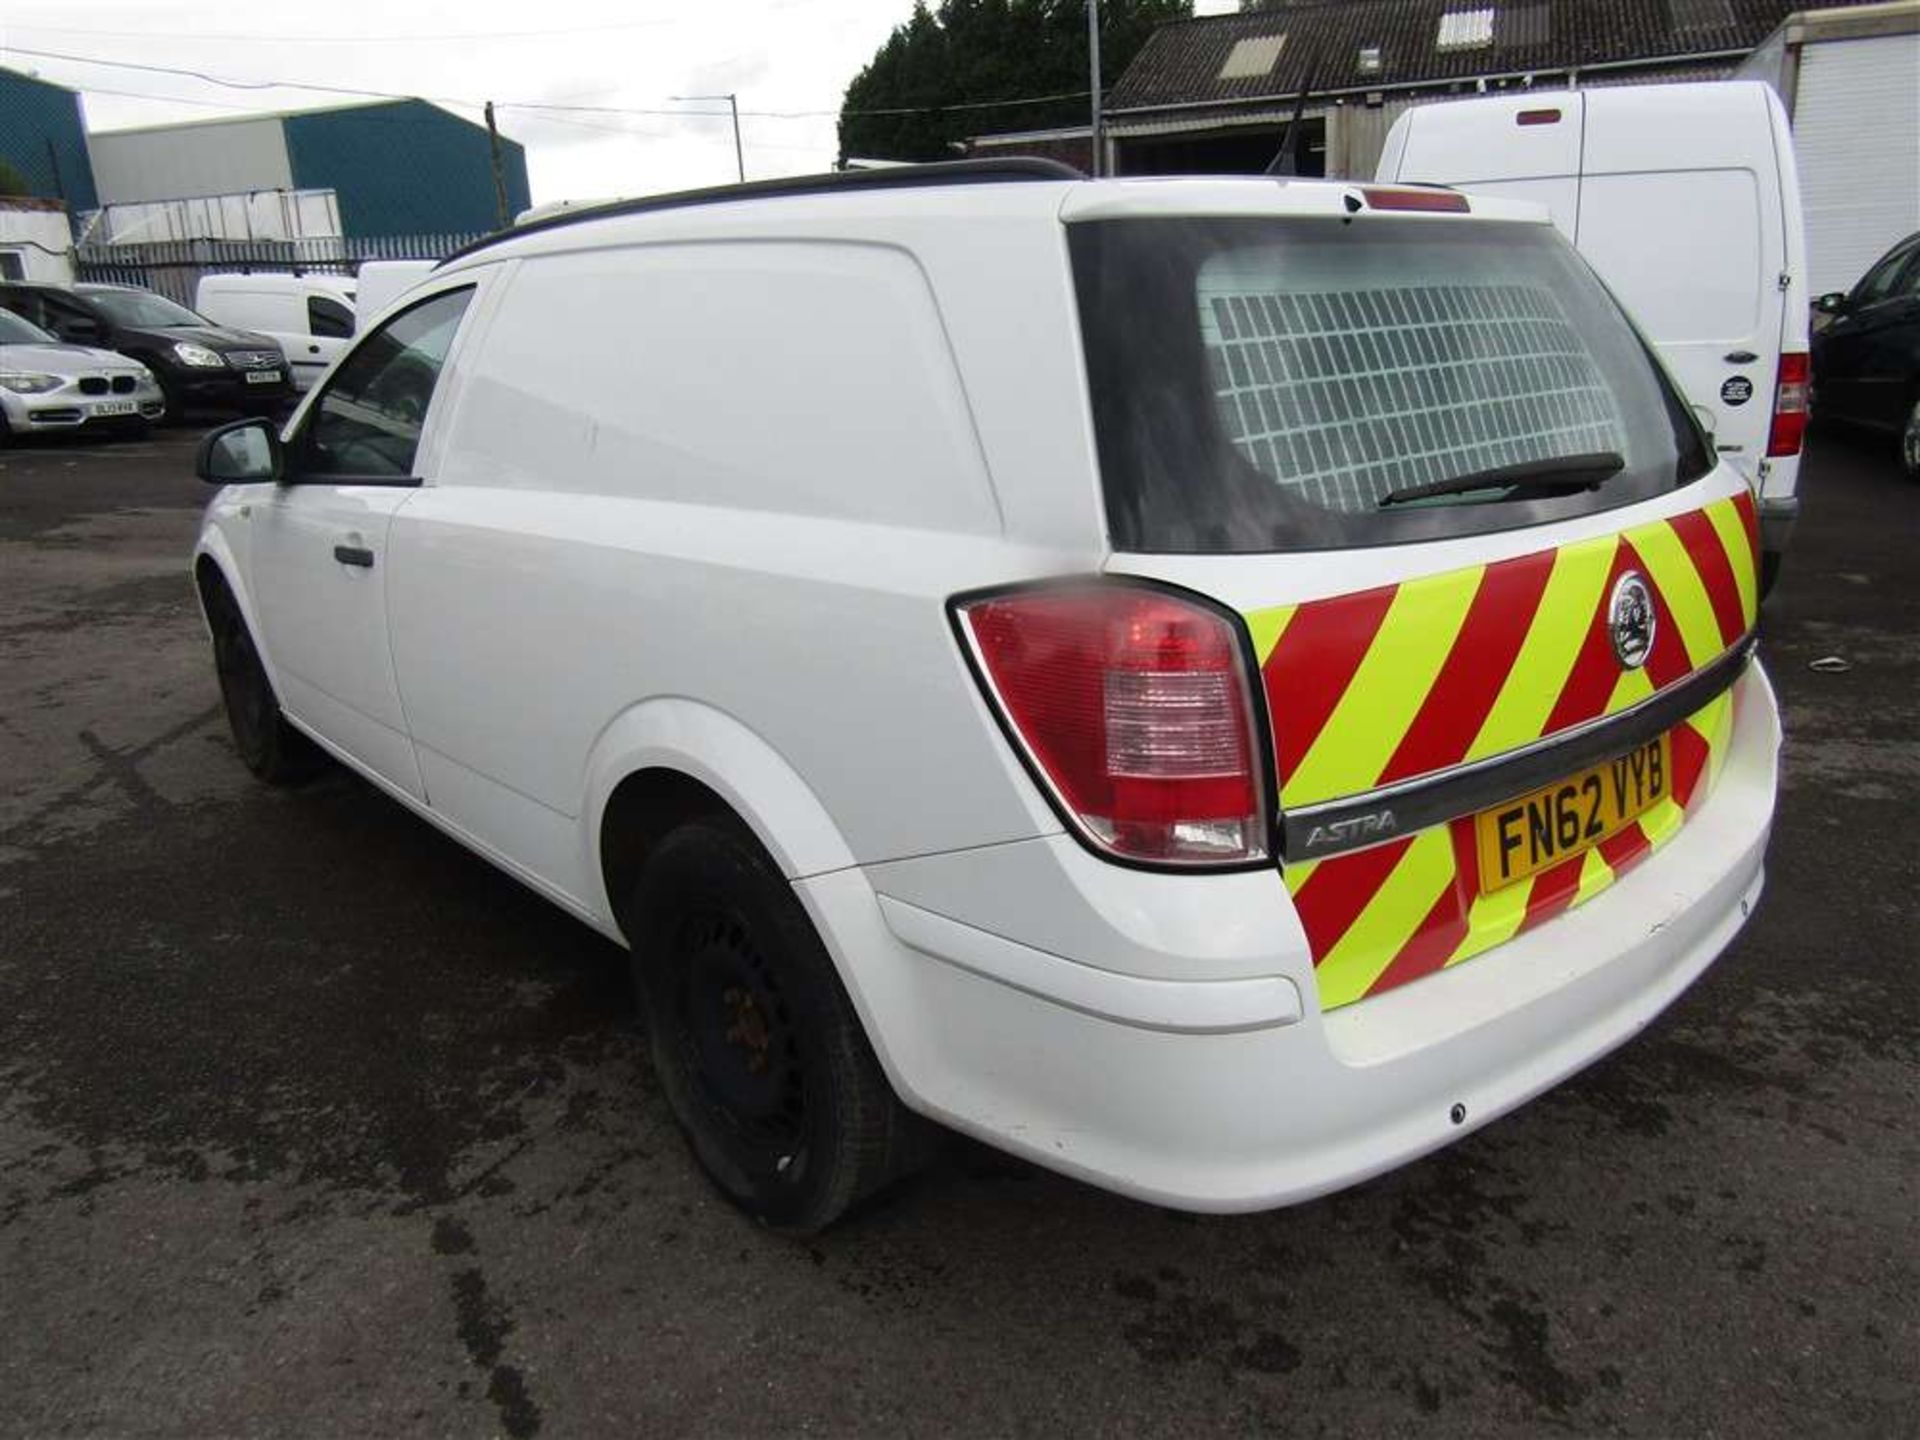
<point>1465,30</point>
<point>1369,59</point>
<point>1253,57</point>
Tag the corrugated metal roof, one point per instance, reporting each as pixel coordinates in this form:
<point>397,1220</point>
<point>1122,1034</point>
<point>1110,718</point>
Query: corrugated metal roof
<point>1182,63</point>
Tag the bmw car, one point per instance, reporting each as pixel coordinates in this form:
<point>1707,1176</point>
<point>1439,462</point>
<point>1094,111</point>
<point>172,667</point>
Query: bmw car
<point>47,385</point>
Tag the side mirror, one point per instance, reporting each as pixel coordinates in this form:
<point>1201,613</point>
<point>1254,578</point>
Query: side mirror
<point>1833,302</point>
<point>1704,414</point>
<point>242,453</point>
<point>79,329</point>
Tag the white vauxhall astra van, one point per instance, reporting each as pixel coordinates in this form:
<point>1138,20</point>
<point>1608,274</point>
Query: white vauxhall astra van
<point>1216,686</point>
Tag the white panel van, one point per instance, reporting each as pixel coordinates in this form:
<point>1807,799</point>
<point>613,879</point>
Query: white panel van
<point>1218,686</point>
<point>311,316</point>
<point>1686,200</point>
<point>381,282</point>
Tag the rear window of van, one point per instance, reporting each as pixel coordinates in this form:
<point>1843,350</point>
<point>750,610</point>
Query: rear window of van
<point>1273,384</point>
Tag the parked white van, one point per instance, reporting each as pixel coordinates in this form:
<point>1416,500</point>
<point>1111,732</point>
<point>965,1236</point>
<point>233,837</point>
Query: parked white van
<point>310,316</point>
<point>1216,686</point>
<point>381,282</point>
<point>1686,200</point>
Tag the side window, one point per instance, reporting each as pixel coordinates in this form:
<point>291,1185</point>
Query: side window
<point>367,421</point>
<point>13,265</point>
<point>67,319</point>
<point>1878,282</point>
<point>328,318</point>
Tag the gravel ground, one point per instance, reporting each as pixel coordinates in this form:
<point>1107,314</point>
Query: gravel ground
<point>312,1123</point>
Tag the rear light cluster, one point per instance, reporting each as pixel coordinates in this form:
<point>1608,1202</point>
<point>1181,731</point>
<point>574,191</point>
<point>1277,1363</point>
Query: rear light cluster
<point>1789,405</point>
<point>1134,708</point>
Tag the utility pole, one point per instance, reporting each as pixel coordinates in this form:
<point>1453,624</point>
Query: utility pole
<point>1093,70</point>
<point>733,107</point>
<point>499,172</point>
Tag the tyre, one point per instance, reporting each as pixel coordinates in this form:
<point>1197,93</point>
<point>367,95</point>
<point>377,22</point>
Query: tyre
<point>757,1047</point>
<point>175,412</point>
<point>269,746</point>
<point>1910,442</point>
<point>1769,571</point>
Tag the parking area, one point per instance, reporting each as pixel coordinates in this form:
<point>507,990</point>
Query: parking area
<point>311,1122</point>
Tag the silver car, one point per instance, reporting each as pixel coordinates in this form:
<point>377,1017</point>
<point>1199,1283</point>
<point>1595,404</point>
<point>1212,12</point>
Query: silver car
<point>48,385</point>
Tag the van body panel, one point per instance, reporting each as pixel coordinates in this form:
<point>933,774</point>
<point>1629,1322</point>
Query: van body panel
<point>1685,199</point>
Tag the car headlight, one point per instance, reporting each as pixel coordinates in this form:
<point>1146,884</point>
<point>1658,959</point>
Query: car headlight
<point>197,355</point>
<point>27,382</point>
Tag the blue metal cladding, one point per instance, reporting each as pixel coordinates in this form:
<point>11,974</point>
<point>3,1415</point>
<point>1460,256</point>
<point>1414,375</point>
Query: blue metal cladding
<point>404,168</point>
<point>34,113</point>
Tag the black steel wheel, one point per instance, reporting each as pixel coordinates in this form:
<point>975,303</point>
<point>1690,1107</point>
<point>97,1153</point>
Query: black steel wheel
<point>757,1047</point>
<point>270,747</point>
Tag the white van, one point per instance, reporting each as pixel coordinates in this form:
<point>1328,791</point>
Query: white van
<point>311,316</point>
<point>381,282</point>
<point>1217,686</point>
<point>1686,200</point>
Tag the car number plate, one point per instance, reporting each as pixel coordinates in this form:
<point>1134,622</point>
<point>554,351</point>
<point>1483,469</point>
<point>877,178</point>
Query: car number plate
<point>115,407</point>
<point>262,377</point>
<point>1527,834</point>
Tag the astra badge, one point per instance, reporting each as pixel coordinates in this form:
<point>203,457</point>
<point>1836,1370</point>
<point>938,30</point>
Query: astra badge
<point>1630,620</point>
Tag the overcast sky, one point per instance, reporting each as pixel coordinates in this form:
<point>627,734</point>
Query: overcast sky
<point>621,55</point>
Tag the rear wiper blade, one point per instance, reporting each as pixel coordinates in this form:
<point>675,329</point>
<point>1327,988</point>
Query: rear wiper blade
<point>1561,473</point>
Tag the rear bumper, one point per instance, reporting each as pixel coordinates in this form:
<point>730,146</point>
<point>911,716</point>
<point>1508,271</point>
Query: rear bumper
<point>1189,1064</point>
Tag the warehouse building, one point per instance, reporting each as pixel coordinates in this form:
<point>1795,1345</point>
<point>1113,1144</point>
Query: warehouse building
<point>43,139</point>
<point>1216,95</point>
<point>394,167</point>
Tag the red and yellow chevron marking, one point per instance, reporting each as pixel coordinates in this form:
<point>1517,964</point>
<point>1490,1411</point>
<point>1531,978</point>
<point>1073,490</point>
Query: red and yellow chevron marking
<point>1381,917</point>
<point>1404,680</point>
<point>1386,684</point>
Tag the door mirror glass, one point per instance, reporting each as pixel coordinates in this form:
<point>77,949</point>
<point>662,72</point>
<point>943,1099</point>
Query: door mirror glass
<point>243,453</point>
<point>1831,303</point>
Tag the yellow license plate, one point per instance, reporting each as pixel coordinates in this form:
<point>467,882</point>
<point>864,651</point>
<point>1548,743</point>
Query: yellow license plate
<point>1528,834</point>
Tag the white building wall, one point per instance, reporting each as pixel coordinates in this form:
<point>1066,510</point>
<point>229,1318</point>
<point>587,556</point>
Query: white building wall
<point>1856,130</point>
<point>36,244</point>
<point>173,162</point>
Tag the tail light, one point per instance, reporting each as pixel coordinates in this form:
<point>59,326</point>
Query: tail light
<point>1789,406</point>
<point>1133,708</point>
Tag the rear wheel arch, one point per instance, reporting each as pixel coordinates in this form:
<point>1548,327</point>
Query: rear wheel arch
<point>672,757</point>
<point>645,808</point>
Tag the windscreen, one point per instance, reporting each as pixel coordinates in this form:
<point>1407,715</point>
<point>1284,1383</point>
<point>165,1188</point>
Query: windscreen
<point>1273,384</point>
<point>15,331</point>
<point>132,307</point>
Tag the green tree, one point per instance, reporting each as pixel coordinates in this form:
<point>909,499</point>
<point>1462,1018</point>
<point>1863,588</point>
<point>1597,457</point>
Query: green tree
<point>964,52</point>
<point>12,180</point>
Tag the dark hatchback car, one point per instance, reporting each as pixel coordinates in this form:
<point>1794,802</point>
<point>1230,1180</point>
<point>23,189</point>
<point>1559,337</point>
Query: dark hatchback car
<point>1866,358</point>
<point>198,364</point>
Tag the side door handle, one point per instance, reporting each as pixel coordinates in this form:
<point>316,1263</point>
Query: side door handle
<point>354,555</point>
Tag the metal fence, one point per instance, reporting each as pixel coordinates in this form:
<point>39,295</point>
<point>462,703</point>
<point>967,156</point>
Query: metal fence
<point>174,267</point>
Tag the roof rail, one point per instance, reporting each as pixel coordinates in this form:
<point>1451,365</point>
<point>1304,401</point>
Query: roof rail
<point>900,177</point>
